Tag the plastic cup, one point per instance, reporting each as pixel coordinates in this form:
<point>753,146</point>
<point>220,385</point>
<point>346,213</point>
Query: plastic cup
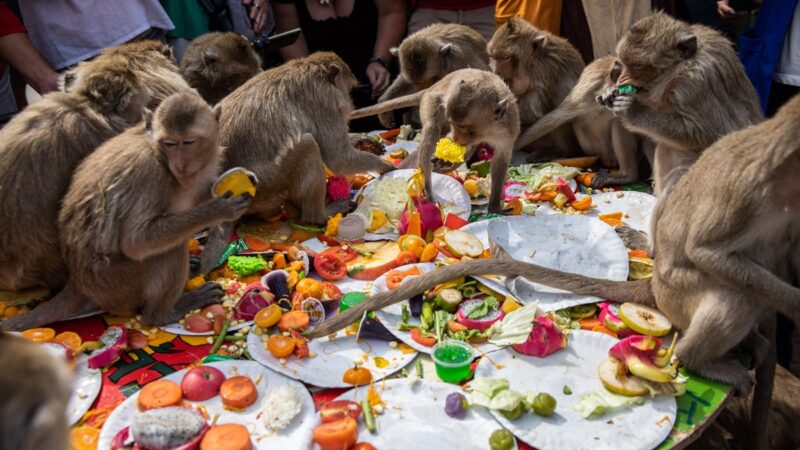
<point>237,180</point>
<point>452,360</point>
<point>351,229</point>
<point>351,299</point>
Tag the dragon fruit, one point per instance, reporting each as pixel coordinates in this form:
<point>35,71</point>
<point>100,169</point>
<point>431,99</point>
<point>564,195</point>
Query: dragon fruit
<point>644,357</point>
<point>608,317</point>
<point>545,339</point>
<point>430,216</point>
<point>338,189</point>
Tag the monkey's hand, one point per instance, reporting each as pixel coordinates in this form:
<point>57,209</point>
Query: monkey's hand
<point>387,167</point>
<point>607,98</point>
<point>229,208</point>
<point>621,103</point>
<point>387,119</point>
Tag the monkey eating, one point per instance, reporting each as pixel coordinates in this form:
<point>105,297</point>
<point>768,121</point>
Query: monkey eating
<point>217,63</point>
<point>541,69</point>
<point>428,55</point>
<point>476,107</point>
<point>39,150</point>
<point>132,206</point>
<point>726,262</point>
<point>597,130</point>
<point>35,388</point>
<point>287,125</point>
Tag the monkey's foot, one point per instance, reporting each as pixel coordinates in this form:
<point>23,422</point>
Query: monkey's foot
<point>758,347</point>
<point>604,179</point>
<point>728,371</point>
<point>634,239</point>
<point>341,206</point>
<point>206,294</point>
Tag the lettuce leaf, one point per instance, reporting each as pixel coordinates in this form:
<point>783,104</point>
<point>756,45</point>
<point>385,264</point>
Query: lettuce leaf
<point>596,403</point>
<point>515,327</point>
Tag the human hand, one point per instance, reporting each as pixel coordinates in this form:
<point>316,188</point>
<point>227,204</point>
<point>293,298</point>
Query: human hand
<point>725,11</point>
<point>258,13</point>
<point>378,78</point>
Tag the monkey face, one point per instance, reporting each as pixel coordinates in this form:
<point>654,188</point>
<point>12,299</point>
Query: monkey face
<point>463,133</point>
<point>182,155</point>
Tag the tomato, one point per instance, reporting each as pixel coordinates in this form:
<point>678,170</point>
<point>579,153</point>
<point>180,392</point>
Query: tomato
<point>357,376</point>
<point>338,410</point>
<point>363,446</point>
<point>280,346</point>
<point>331,291</point>
<point>300,345</point>
<point>268,316</point>
<point>426,341</point>
<point>345,253</point>
<point>327,240</point>
<point>330,267</point>
<point>405,257</point>
<point>395,277</point>
<point>339,435</point>
<point>310,288</point>
<point>412,243</point>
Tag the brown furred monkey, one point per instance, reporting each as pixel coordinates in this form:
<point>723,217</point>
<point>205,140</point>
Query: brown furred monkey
<point>597,130</point>
<point>476,107</point>
<point>428,55</point>
<point>151,61</point>
<point>692,90</point>
<point>727,257</point>
<point>286,125</point>
<point>132,206</point>
<point>541,69</point>
<point>39,150</point>
<point>217,63</point>
<point>35,388</point>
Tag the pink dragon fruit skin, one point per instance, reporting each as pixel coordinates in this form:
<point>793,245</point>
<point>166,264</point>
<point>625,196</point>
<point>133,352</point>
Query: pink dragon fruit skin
<point>608,317</point>
<point>545,339</point>
<point>429,213</point>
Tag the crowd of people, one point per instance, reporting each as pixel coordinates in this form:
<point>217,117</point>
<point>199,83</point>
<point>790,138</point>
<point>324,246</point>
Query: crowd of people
<point>39,39</point>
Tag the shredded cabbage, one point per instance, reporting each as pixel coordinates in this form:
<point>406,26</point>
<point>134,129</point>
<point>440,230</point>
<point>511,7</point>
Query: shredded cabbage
<point>280,407</point>
<point>536,175</point>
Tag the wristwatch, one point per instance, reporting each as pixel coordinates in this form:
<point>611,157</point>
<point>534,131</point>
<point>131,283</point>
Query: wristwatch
<point>380,60</point>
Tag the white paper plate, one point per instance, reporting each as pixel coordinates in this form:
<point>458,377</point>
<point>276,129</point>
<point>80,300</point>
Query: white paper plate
<point>639,427</point>
<point>638,205</point>
<point>177,328</point>
<point>414,418</point>
<point>391,316</point>
<point>480,230</point>
<point>574,244</point>
<point>295,436</point>
<point>446,190</point>
<point>333,358</point>
<point>86,384</point>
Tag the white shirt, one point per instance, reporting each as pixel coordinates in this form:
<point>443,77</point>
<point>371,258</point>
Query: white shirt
<point>788,68</point>
<point>69,31</point>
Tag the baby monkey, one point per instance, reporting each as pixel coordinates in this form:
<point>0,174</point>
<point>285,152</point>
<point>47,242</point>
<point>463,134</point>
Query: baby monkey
<point>471,107</point>
<point>133,205</point>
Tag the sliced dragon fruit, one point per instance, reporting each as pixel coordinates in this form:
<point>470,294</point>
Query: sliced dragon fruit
<point>545,339</point>
<point>477,323</point>
<point>113,343</point>
<point>608,316</point>
<point>172,428</point>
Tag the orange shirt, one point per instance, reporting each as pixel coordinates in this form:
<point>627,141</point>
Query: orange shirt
<point>543,14</point>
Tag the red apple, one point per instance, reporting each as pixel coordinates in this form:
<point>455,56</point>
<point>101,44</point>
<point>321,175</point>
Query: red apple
<point>201,383</point>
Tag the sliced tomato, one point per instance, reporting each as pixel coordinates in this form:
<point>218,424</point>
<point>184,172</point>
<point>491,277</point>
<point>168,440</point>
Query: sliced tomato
<point>395,277</point>
<point>327,240</point>
<point>405,257</point>
<point>426,341</point>
<point>300,345</point>
<point>330,267</point>
<point>338,410</point>
<point>338,435</point>
<point>331,291</point>
<point>454,222</point>
<point>345,253</point>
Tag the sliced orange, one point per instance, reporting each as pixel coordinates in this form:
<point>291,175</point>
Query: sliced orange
<point>69,339</point>
<point>84,438</point>
<point>39,334</point>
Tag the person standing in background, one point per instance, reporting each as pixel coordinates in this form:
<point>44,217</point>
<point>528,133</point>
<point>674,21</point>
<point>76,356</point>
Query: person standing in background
<point>67,32</point>
<point>543,14</point>
<point>477,14</point>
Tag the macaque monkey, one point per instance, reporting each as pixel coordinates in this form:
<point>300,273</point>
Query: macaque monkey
<point>39,150</point>
<point>541,69</point>
<point>151,61</point>
<point>692,90</point>
<point>217,63</point>
<point>727,258</point>
<point>286,125</point>
<point>471,107</point>
<point>132,206</point>
<point>431,53</point>
<point>597,130</point>
<point>35,387</point>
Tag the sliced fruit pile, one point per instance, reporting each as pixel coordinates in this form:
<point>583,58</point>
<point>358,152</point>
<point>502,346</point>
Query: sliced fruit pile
<point>339,428</point>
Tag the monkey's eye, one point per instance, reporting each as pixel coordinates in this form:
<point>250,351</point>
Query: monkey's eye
<point>169,143</point>
<point>188,142</point>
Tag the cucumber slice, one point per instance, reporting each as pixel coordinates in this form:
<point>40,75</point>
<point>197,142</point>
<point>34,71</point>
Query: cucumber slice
<point>622,384</point>
<point>581,311</point>
<point>448,300</point>
<point>644,320</point>
<point>461,243</point>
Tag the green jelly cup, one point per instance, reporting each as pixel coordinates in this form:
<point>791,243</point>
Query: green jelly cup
<point>452,359</point>
<point>351,299</point>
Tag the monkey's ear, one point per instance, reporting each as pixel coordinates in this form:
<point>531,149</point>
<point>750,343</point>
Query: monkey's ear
<point>539,42</point>
<point>333,71</point>
<point>502,108</point>
<point>687,45</point>
<point>166,50</point>
<point>210,56</point>
<point>394,51</point>
<point>217,112</point>
<point>444,49</point>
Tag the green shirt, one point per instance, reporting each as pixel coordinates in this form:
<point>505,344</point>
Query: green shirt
<point>189,17</point>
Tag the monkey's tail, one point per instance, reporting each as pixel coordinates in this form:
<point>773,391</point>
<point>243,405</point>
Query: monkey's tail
<point>621,291</point>
<point>64,305</point>
<point>405,101</point>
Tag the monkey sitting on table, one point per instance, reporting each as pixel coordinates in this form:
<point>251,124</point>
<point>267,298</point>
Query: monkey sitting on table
<point>132,206</point>
<point>727,259</point>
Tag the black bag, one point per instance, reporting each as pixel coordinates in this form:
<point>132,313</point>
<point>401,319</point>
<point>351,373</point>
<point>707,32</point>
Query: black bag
<point>219,16</point>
